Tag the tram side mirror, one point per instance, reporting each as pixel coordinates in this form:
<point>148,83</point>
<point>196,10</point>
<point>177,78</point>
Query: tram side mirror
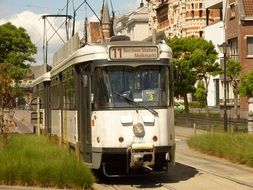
<point>85,80</point>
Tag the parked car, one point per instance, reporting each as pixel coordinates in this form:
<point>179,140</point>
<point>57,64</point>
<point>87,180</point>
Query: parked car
<point>179,107</point>
<point>25,107</point>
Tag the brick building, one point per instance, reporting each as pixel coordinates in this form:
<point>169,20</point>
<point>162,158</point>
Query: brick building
<point>97,32</point>
<point>239,35</point>
<point>180,18</point>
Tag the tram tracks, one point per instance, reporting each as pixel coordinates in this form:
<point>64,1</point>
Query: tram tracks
<point>216,167</point>
<point>165,182</point>
<point>134,183</point>
<point>134,187</point>
<point>192,169</point>
<point>162,185</point>
<point>226,178</point>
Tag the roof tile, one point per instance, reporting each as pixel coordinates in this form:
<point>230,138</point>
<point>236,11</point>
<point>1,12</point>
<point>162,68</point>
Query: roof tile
<point>248,7</point>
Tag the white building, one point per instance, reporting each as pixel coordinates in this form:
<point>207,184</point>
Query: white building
<point>215,32</point>
<point>135,25</point>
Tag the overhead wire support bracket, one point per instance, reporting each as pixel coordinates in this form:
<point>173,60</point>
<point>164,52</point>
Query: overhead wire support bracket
<point>45,39</point>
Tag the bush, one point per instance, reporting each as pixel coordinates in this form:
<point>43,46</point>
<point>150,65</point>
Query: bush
<point>246,86</point>
<point>195,105</point>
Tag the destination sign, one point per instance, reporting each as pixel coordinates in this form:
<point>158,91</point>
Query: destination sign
<point>136,52</point>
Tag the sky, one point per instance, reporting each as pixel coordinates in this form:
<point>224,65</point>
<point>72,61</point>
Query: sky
<point>28,14</point>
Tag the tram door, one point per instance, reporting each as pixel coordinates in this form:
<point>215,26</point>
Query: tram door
<point>85,115</point>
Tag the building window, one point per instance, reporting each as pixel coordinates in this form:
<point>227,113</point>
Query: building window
<point>232,11</point>
<point>192,14</point>
<point>250,46</point>
<point>200,13</point>
<point>200,33</point>
<point>192,5</point>
<point>200,6</point>
<point>233,44</point>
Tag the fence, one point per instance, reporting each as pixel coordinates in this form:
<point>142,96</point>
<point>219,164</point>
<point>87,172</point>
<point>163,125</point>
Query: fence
<point>211,123</point>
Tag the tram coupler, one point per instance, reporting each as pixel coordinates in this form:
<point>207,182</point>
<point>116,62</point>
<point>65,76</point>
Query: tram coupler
<point>142,156</point>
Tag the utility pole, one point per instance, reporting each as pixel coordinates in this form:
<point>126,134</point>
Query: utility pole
<point>223,49</point>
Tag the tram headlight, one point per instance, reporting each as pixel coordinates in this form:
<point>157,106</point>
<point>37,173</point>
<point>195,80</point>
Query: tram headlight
<point>155,138</point>
<point>139,130</point>
<point>121,139</point>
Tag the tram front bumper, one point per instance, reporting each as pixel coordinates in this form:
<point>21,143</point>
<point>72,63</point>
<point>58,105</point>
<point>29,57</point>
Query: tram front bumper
<point>142,156</point>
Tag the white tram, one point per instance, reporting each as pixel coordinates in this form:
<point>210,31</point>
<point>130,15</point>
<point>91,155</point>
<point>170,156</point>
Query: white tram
<point>115,100</point>
<point>40,103</point>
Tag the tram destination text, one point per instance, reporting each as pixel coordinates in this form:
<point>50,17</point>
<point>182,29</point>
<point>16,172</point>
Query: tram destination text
<point>133,53</point>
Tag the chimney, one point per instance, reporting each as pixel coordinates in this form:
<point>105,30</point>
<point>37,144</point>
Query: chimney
<point>106,21</point>
<point>141,4</point>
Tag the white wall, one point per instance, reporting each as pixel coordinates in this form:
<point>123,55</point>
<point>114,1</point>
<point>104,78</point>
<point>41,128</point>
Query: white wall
<point>210,3</point>
<point>216,34</point>
<point>141,31</point>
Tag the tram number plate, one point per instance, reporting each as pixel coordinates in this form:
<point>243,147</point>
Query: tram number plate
<point>136,52</point>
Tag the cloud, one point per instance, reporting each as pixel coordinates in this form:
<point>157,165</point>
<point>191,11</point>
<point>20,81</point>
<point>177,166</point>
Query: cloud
<point>34,25</point>
<point>128,7</point>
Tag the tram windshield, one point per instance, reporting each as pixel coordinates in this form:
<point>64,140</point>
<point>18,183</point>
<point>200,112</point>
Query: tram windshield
<point>125,86</point>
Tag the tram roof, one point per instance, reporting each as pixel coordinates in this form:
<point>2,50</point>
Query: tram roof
<point>43,78</point>
<point>71,54</point>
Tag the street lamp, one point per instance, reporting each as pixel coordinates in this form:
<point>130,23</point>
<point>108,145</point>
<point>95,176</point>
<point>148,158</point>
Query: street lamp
<point>223,49</point>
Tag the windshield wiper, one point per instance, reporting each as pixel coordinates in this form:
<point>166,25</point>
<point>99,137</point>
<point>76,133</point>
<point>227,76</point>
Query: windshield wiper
<point>155,113</point>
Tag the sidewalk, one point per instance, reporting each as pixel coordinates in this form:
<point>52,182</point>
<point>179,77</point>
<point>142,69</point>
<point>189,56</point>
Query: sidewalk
<point>22,120</point>
<point>185,132</point>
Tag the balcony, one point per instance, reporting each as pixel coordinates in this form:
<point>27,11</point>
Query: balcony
<point>230,102</point>
<point>163,25</point>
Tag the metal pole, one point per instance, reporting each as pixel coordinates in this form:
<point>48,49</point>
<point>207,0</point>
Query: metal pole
<point>225,95</point>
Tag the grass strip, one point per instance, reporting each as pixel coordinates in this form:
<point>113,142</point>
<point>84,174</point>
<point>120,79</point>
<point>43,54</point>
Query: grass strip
<point>36,161</point>
<point>238,148</point>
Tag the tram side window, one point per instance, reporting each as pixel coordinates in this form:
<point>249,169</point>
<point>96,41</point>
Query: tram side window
<point>164,84</point>
<point>55,93</point>
<point>41,94</point>
<point>68,90</point>
<point>35,91</point>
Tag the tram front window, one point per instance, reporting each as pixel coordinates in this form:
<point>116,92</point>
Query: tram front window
<point>118,86</point>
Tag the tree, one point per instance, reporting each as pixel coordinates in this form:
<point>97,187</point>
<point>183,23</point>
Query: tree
<point>203,60</point>
<point>233,70</point>
<point>184,78</point>
<point>184,81</point>
<point>200,93</point>
<point>246,85</point>
<point>199,56</point>
<point>16,49</point>
<point>5,91</point>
